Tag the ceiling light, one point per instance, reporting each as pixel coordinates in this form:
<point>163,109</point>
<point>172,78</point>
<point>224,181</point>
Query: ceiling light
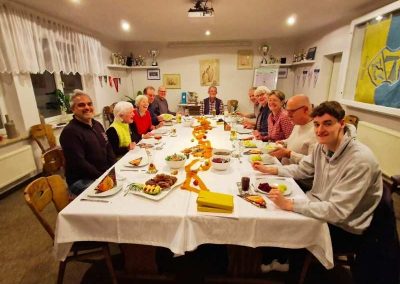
<point>207,33</point>
<point>201,9</point>
<point>291,20</point>
<point>125,25</point>
<point>379,18</point>
<point>76,1</point>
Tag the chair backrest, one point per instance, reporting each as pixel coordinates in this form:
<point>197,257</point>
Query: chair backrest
<point>351,119</point>
<point>40,132</point>
<point>53,161</point>
<point>108,115</point>
<point>44,191</point>
<point>232,105</point>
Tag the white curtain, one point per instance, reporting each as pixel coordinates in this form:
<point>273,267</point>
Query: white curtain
<point>30,43</point>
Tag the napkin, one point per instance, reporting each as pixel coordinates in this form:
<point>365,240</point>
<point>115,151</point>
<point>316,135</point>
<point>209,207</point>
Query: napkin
<point>208,201</point>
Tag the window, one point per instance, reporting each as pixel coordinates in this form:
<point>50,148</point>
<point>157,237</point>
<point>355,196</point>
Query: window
<point>44,86</point>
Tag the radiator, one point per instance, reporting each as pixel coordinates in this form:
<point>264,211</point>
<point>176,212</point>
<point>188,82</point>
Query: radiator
<point>385,143</point>
<point>15,165</point>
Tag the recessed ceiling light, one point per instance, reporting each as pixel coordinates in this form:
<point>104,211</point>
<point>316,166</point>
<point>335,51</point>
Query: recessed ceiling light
<point>207,33</point>
<point>125,25</point>
<point>379,18</point>
<point>291,20</point>
<point>76,1</point>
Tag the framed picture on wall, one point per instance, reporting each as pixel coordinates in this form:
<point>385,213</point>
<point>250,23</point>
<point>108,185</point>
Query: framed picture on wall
<point>311,53</point>
<point>209,72</point>
<point>172,81</point>
<point>245,59</point>
<point>153,74</point>
<point>282,73</point>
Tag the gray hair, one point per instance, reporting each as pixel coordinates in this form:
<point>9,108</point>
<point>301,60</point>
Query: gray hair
<point>139,99</point>
<point>120,109</point>
<point>77,93</point>
<point>262,90</point>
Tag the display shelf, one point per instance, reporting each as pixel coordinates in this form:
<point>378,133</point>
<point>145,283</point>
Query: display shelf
<point>304,62</point>
<point>112,66</point>
<point>276,64</point>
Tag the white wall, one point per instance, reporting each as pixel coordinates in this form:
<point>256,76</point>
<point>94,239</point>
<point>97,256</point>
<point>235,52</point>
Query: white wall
<point>234,83</point>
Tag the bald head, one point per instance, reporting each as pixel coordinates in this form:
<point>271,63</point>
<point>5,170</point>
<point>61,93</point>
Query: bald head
<point>299,109</point>
<point>162,92</point>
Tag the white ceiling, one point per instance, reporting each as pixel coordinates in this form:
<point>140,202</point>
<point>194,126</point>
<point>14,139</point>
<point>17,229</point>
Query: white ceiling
<point>166,20</point>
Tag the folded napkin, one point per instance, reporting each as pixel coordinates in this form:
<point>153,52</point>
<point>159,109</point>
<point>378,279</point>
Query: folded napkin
<point>208,201</point>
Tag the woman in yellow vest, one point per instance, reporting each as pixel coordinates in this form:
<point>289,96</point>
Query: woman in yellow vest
<point>122,137</point>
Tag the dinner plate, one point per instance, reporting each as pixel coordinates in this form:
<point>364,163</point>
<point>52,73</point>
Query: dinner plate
<point>264,158</point>
<point>143,162</point>
<point>249,144</point>
<point>274,181</point>
<point>162,194</point>
<point>110,192</point>
<point>242,130</point>
<point>160,131</point>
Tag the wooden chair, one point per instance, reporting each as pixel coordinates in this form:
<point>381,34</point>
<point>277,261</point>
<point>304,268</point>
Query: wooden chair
<point>53,161</point>
<point>43,132</point>
<point>46,190</point>
<point>108,115</point>
<point>232,105</point>
<point>351,119</point>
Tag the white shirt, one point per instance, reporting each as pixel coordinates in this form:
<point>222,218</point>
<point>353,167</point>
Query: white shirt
<point>301,142</point>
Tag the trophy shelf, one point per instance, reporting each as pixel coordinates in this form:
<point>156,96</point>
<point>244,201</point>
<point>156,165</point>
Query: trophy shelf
<point>113,66</point>
<point>304,62</point>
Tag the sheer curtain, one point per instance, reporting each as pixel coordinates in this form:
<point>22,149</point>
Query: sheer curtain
<point>31,43</point>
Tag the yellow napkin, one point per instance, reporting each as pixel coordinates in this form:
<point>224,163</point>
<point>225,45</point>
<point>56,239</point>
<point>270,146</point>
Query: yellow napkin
<point>208,201</point>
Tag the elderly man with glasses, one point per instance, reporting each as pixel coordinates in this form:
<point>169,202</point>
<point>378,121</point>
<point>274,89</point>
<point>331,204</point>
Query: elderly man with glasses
<point>160,104</point>
<point>302,139</point>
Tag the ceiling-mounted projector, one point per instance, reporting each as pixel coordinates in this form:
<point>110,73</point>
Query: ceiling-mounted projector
<point>200,10</point>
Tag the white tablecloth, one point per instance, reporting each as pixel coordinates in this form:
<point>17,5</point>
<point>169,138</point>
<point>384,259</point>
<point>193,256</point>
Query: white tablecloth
<point>174,222</point>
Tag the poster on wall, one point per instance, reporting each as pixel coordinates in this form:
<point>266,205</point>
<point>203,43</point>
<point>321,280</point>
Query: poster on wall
<point>266,76</point>
<point>209,72</point>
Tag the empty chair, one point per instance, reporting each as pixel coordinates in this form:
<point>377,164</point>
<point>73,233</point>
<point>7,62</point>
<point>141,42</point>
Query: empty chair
<point>53,161</point>
<point>46,190</point>
<point>41,133</point>
<point>232,105</point>
<point>351,119</point>
<point>108,115</point>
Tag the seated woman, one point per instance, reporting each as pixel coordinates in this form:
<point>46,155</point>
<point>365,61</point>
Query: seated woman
<point>142,118</point>
<point>280,125</point>
<point>261,124</point>
<point>121,137</point>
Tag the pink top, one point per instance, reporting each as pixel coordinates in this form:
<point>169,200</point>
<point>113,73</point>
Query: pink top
<point>143,123</point>
<point>279,126</point>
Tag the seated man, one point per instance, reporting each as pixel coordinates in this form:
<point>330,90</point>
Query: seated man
<point>156,121</point>
<point>212,103</point>
<point>249,118</point>
<point>160,104</point>
<point>347,181</point>
<point>88,154</point>
<point>301,141</point>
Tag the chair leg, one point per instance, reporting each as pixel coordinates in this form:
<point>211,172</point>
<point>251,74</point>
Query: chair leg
<point>61,270</point>
<point>107,257</point>
<point>306,266</point>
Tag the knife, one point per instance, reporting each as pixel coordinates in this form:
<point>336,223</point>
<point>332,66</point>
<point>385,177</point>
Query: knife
<point>94,200</point>
<point>133,170</point>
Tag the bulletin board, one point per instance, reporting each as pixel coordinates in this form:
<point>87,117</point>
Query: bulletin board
<point>266,76</point>
<point>371,66</point>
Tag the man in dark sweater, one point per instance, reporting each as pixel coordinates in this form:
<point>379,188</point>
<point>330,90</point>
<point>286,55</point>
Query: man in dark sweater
<point>88,154</point>
<point>212,103</point>
<point>150,92</point>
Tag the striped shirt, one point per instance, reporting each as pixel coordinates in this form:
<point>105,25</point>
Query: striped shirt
<point>279,126</point>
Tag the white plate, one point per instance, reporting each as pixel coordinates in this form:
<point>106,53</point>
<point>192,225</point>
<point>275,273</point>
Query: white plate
<point>160,131</point>
<point>143,162</point>
<point>273,181</point>
<point>242,130</point>
<point>163,193</point>
<point>265,159</point>
<point>111,192</point>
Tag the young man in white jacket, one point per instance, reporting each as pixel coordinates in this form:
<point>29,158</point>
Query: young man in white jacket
<point>347,183</point>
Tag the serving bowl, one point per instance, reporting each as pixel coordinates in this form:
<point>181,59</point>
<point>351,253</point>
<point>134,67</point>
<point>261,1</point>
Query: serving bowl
<point>175,161</point>
<point>220,164</point>
<point>221,153</point>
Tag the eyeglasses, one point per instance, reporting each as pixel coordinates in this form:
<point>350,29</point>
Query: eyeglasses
<point>89,104</point>
<point>294,110</point>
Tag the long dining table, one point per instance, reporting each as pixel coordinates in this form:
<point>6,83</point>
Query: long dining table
<point>173,222</point>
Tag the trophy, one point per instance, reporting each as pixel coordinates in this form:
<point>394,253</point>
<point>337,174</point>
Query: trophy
<point>264,50</point>
<point>154,53</point>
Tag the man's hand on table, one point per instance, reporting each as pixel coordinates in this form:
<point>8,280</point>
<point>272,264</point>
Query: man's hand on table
<point>147,135</point>
<point>132,146</point>
<point>275,195</point>
<point>281,153</point>
<point>258,166</point>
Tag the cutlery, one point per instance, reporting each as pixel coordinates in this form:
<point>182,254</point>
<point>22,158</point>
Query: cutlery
<point>133,170</point>
<point>94,200</point>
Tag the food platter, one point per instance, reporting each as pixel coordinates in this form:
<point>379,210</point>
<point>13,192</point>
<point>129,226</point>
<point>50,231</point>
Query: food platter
<point>274,182</point>
<point>156,197</point>
<point>110,192</point>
